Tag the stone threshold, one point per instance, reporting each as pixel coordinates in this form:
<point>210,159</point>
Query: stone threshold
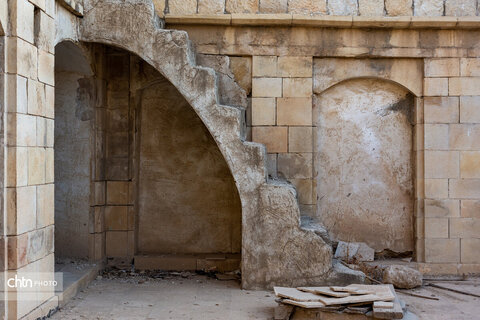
<point>299,20</point>
<point>188,262</point>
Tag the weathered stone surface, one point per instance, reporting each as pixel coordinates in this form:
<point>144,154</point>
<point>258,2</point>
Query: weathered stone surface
<point>241,67</point>
<point>458,8</point>
<point>211,6</point>
<point>356,114</point>
<point>428,8</point>
<point>371,7</point>
<point>402,277</point>
<point>182,6</point>
<point>354,252</point>
<point>273,6</point>
<point>241,6</point>
<point>159,7</point>
<point>307,7</point>
<point>398,7</point>
<point>343,7</point>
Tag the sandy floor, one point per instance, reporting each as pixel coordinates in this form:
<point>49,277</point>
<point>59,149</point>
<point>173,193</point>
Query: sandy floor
<point>200,297</point>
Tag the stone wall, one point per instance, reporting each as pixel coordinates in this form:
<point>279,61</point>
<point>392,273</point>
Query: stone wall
<point>321,7</point>
<point>28,231</point>
<point>438,67</point>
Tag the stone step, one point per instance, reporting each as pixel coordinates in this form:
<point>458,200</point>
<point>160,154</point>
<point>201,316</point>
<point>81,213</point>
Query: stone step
<point>192,262</point>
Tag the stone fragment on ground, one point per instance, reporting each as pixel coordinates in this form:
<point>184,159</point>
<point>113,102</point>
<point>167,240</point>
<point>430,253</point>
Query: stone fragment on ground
<point>402,277</point>
<point>354,252</point>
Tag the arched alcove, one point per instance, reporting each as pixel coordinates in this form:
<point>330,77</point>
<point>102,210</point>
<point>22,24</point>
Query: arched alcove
<point>74,115</point>
<point>364,163</point>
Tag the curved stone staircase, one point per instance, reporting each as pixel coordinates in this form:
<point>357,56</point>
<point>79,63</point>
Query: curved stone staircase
<point>275,249</point>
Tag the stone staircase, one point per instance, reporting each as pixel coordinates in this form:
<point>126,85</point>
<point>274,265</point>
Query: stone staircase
<point>275,249</point>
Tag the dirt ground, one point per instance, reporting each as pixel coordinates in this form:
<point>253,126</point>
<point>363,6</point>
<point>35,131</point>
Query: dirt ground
<point>201,297</point>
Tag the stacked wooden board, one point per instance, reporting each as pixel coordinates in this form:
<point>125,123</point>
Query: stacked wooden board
<point>355,298</point>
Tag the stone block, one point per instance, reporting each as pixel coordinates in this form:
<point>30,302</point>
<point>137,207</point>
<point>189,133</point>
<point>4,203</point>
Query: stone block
<point>442,250</point>
<point>211,6</point>
<point>470,109</point>
<point>49,132</point>
<point>41,132</point>
<point>304,190</point>
<point>459,8</point>
<point>295,165</point>
<point>470,67</point>
<point>307,7</point>
<point>436,136</point>
<point>441,109</point>
<point>290,66</point>
<point>371,7</point>
<point>398,7</point>
<point>49,102</point>
<point>263,111</point>
<point>99,187</point>
<point>470,164</point>
<point>343,7</point>
<point>116,218</point>
<point>470,208</point>
<point>159,7</point>
<point>297,87</point>
<point>445,67</point>
<point>464,188</point>
<point>436,228</point>
<point>36,98</point>
<point>116,244</point>
<point>99,219</point>
<point>436,188</point>
<point>464,86</point>
<point>404,38</point>
<point>264,66</point>
<point>26,209</point>
<point>442,208</point>
<point>117,192</point>
<point>17,97</point>
<point>402,277</point>
<point>274,138</point>
<point>182,6</point>
<point>300,139</point>
<point>442,164</point>
<point>435,87</point>
<point>49,165</point>
<point>37,248</point>
<point>241,6</point>
<point>44,39</point>
<point>22,58</point>
<point>36,166</point>
<point>45,205</point>
<point>266,87</point>
<point>428,8</point>
<point>17,166</point>
<point>21,19</point>
<point>46,67</point>
<point>464,228</point>
<point>17,251</point>
<point>241,67</point>
<point>294,111</point>
<point>352,252</point>
<point>273,6</point>
<point>50,7</point>
<point>470,250</point>
<point>464,137</point>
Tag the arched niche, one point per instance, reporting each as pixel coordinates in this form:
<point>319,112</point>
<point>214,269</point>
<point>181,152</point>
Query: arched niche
<point>364,163</point>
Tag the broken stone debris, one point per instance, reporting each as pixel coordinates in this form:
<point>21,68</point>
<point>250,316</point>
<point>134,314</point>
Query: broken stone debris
<point>379,300</point>
<point>402,277</point>
<point>354,252</point>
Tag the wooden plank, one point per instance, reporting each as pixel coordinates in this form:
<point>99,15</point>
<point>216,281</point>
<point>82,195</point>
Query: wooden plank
<point>394,313</point>
<point>304,304</point>
<point>350,299</point>
<point>325,291</point>
<point>383,304</point>
<point>383,291</point>
<point>294,294</point>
